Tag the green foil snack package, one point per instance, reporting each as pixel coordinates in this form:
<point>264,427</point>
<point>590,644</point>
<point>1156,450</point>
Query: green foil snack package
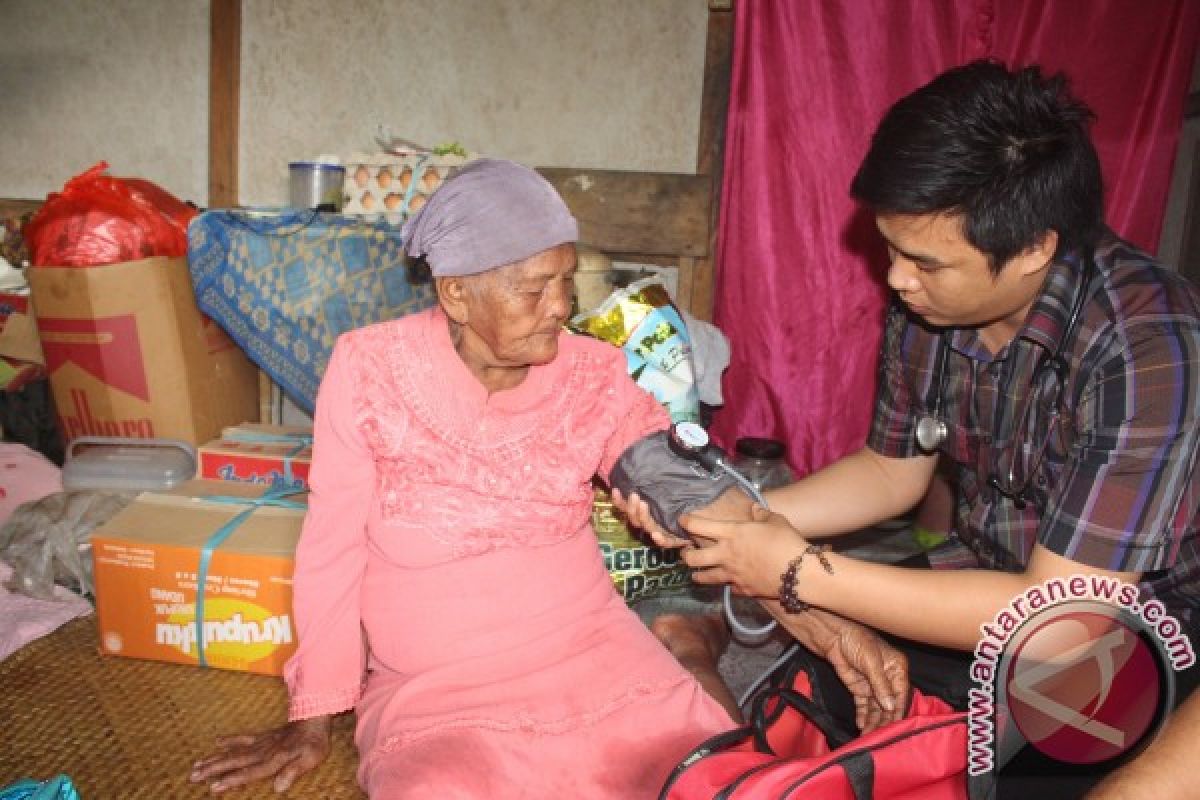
<point>641,320</point>
<point>638,569</point>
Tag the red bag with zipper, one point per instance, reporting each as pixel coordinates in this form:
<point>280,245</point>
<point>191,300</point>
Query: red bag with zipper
<point>793,747</point>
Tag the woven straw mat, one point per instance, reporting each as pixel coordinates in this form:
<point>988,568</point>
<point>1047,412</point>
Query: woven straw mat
<point>124,729</point>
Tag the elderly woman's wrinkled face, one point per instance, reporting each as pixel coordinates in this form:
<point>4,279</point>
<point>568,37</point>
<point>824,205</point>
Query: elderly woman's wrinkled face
<point>514,314</point>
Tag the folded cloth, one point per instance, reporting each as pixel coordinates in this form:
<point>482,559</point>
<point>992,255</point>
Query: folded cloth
<point>23,618</point>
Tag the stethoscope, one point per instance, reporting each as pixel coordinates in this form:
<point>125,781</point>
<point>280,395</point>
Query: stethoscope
<point>932,430</point>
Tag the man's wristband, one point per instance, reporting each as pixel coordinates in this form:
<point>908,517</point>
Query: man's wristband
<point>788,598</point>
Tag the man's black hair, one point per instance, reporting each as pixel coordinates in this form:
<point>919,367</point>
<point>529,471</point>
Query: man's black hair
<point>1009,151</point>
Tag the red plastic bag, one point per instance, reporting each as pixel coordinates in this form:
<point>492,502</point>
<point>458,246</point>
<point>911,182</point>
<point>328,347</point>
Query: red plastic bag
<point>98,219</point>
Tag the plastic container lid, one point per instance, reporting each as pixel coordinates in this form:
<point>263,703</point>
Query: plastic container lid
<point>315,166</point>
<point>120,464</point>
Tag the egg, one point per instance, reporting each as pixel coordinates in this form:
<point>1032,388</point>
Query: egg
<point>416,204</point>
<point>362,175</point>
<point>393,201</point>
<point>367,201</point>
<point>384,178</point>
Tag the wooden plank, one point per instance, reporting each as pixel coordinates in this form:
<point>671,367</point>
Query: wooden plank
<point>266,398</point>
<point>685,290</point>
<point>710,153</point>
<point>224,93</point>
<point>653,213</point>
<point>714,103</point>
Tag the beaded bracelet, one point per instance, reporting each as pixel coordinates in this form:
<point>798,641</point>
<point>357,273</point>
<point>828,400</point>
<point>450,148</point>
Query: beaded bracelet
<point>788,598</point>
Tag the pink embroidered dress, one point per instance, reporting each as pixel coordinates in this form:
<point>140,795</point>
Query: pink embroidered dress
<point>448,550</point>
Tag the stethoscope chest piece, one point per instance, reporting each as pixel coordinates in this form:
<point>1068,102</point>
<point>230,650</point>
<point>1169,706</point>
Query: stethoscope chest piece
<point>931,432</point>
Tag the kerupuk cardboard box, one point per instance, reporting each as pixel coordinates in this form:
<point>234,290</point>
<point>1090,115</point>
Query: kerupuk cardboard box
<point>200,574</point>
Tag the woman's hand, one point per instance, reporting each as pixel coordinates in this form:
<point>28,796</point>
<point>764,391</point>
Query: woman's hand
<point>749,555</point>
<point>285,753</point>
<point>733,504</point>
<point>875,673</point>
<point>638,515</point>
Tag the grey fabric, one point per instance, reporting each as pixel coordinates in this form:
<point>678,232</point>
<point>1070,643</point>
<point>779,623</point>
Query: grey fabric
<point>488,214</point>
<point>671,485</point>
<point>710,357</point>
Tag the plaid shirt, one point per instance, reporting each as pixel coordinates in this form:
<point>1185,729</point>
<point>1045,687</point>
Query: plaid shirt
<point>1111,477</point>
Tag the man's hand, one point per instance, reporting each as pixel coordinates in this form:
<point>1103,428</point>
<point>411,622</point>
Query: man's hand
<point>285,753</point>
<point>875,673</point>
<point>748,555</point>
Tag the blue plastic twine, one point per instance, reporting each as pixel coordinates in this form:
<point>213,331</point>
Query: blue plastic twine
<point>273,497</point>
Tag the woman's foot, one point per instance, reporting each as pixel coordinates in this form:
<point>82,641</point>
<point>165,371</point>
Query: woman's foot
<point>697,642</point>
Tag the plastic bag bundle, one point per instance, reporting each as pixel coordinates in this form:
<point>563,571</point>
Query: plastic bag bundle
<point>641,320</point>
<point>99,219</point>
<point>46,541</point>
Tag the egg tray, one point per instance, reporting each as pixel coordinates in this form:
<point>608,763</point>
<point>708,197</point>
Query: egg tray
<point>394,187</point>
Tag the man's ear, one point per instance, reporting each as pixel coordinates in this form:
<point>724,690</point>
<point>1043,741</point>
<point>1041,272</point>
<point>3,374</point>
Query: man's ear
<point>452,296</point>
<point>1037,256</point>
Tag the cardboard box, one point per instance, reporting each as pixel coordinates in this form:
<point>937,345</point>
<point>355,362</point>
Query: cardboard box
<point>129,354</point>
<point>146,561</point>
<point>252,453</point>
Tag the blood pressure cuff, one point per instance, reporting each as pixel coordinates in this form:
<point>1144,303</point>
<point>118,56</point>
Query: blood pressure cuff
<point>670,484</point>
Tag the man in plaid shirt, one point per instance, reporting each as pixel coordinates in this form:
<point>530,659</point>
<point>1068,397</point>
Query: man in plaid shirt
<point>1054,366</point>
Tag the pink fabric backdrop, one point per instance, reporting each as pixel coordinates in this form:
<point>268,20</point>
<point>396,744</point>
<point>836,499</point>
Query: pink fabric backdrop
<point>799,283</point>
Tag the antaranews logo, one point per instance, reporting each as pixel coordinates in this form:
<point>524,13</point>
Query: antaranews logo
<point>1078,667</point>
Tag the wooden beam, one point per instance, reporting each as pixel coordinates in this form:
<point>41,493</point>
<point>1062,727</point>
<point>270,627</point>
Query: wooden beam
<point>224,82</point>
<point>224,119</point>
<point>710,152</point>
<point>714,104</point>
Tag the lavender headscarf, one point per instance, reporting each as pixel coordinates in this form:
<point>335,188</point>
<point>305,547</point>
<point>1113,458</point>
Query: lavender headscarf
<point>488,214</point>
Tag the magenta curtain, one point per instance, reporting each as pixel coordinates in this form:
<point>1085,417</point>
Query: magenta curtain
<point>799,284</point>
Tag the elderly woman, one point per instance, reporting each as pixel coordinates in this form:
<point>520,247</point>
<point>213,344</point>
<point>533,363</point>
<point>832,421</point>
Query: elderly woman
<point>448,586</point>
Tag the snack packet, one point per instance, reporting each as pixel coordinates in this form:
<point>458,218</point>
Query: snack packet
<point>641,320</point>
<point>638,569</point>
